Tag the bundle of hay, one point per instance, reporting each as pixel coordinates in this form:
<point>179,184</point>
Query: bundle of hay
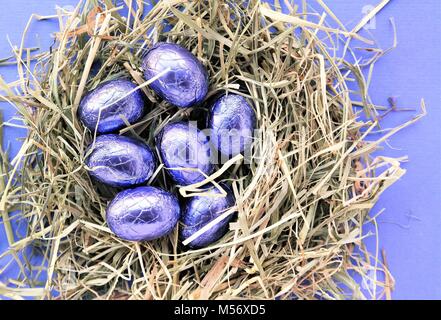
<point>302,196</point>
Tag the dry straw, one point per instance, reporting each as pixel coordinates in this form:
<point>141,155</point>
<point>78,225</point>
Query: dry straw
<point>301,209</point>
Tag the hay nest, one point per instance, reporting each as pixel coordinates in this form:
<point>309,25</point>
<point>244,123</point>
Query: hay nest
<point>302,199</point>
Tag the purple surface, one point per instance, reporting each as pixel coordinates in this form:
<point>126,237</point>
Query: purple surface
<point>410,227</point>
<point>201,210</point>
<point>184,147</point>
<point>120,161</point>
<point>186,84</point>
<point>105,108</point>
<point>143,213</point>
<point>231,122</point>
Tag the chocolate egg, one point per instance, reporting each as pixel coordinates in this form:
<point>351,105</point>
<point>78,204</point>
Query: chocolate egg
<point>200,210</point>
<point>184,147</point>
<point>143,213</point>
<point>231,122</point>
<point>186,81</point>
<point>120,161</point>
<point>107,105</point>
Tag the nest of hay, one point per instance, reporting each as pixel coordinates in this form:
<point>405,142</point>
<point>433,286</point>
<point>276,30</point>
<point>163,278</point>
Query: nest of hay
<point>302,198</point>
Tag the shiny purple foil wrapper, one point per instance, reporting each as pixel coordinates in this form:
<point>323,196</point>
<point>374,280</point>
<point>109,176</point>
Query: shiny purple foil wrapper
<point>108,97</point>
<point>200,210</point>
<point>231,121</point>
<point>185,84</point>
<point>143,214</point>
<point>183,146</point>
<point>120,161</point>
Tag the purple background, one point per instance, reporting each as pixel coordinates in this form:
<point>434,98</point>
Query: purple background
<point>410,228</point>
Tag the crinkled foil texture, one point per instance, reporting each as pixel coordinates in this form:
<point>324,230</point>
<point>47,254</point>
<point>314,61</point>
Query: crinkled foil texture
<point>183,146</point>
<point>143,213</point>
<point>120,161</point>
<point>231,121</point>
<point>107,105</point>
<point>186,82</point>
<point>200,210</point>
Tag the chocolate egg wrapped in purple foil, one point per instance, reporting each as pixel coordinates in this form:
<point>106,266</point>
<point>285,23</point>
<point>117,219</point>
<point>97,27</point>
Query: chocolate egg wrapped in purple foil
<point>184,147</point>
<point>200,210</point>
<point>106,107</point>
<point>120,161</point>
<point>186,81</point>
<point>231,121</point>
<point>143,213</point>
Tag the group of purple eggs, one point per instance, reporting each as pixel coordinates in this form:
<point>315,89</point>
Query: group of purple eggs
<point>142,213</point>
